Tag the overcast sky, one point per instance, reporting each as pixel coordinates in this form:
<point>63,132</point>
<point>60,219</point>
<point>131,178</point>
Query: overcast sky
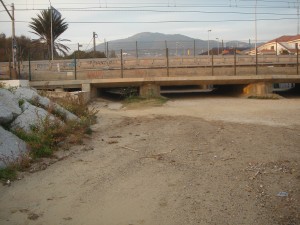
<point>228,19</point>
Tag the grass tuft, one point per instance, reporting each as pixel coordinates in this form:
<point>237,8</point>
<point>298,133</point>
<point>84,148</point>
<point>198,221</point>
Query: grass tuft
<point>137,101</point>
<point>8,173</point>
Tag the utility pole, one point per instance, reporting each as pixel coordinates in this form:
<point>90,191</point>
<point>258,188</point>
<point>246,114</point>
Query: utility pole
<point>298,17</point>
<point>14,44</point>
<point>79,46</point>
<point>255,27</point>
<point>94,39</point>
<point>208,42</point>
<point>51,22</point>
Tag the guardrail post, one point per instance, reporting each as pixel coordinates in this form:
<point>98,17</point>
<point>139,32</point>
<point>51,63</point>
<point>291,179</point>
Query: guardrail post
<point>167,55</point>
<point>122,75</point>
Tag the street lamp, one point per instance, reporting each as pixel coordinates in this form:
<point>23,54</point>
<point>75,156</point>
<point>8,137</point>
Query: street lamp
<point>208,41</point>
<point>218,45</point>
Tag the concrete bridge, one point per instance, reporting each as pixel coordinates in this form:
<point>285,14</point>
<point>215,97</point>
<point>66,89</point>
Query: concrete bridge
<point>258,85</point>
<point>249,74</point>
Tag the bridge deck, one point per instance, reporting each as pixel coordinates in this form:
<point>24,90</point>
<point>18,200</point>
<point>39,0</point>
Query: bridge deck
<point>168,81</point>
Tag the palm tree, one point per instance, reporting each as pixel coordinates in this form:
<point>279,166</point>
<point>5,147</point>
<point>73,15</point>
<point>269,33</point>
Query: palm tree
<point>41,26</point>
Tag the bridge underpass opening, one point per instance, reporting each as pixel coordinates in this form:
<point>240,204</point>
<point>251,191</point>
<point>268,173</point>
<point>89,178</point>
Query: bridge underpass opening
<point>287,90</point>
<point>185,89</point>
<point>117,93</point>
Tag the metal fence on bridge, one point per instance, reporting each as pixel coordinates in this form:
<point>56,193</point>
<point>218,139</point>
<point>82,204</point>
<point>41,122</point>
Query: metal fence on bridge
<point>147,59</point>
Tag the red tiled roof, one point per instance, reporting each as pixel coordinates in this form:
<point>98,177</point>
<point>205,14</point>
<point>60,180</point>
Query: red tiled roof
<point>285,38</point>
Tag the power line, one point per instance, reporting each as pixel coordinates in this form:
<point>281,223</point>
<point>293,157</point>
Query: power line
<point>165,21</point>
<point>166,11</point>
<point>163,5</point>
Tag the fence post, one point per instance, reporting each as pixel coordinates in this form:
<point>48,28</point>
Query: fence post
<point>122,75</point>
<point>297,49</point>
<point>234,61</point>
<point>212,64</point>
<point>256,62</point>
<point>136,50</point>
<point>167,55</point>
<point>75,65</point>
<point>19,69</point>
<point>194,48</point>
<point>29,65</point>
<point>107,56</point>
<point>9,65</point>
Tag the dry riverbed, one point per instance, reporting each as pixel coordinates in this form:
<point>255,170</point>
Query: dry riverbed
<point>206,160</point>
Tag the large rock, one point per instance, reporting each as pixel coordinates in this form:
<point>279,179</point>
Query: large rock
<point>68,114</point>
<point>9,106</point>
<point>11,147</point>
<point>31,116</point>
<point>30,94</point>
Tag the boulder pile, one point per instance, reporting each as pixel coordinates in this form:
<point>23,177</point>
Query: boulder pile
<point>23,108</point>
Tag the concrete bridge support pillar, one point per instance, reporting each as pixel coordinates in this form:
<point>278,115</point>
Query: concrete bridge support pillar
<point>203,86</point>
<point>89,92</point>
<point>258,89</point>
<point>150,90</point>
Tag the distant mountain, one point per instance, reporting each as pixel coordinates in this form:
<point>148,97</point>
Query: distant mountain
<point>154,44</point>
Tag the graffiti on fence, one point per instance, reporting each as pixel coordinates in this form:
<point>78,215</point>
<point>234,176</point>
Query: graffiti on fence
<point>95,74</point>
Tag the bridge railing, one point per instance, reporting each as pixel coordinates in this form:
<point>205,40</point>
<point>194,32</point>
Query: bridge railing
<point>127,66</point>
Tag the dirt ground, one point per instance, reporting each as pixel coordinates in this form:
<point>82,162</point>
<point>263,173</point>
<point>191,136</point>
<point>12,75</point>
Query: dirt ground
<point>200,160</point>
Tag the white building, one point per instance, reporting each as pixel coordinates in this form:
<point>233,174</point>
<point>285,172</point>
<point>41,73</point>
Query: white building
<point>284,45</point>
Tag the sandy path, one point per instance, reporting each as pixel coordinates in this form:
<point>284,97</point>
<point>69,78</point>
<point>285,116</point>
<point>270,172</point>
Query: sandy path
<point>197,161</point>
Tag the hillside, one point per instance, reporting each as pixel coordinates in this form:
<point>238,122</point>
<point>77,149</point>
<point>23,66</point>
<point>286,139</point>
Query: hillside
<point>155,44</point>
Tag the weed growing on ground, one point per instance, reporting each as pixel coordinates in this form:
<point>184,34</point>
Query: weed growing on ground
<point>12,165</point>
<point>78,107</point>
<point>8,173</point>
<point>2,85</point>
<point>136,101</point>
<point>272,97</point>
<point>21,102</point>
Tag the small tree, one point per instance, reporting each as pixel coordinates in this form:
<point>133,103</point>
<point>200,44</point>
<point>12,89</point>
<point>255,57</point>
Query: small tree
<point>41,26</point>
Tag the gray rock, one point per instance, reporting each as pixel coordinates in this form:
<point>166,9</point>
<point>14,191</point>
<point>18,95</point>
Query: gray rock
<point>26,93</point>
<point>68,114</point>
<point>31,116</point>
<point>9,106</point>
<point>11,147</point>
<point>30,94</point>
